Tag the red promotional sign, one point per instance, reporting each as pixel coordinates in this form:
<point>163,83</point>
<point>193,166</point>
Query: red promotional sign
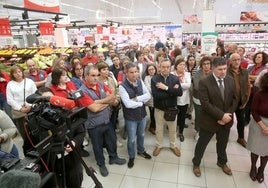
<point>5,29</point>
<point>46,28</point>
<point>43,5</point>
<point>99,29</point>
<point>112,30</point>
<point>89,38</point>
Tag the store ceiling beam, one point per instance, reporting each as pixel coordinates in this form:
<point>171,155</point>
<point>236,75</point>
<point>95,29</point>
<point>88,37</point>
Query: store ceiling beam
<point>32,10</point>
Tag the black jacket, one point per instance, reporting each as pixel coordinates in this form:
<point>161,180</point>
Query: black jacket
<point>165,99</point>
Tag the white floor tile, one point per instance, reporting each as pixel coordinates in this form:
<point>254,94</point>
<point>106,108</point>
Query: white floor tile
<point>165,172</point>
<point>134,182</point>
<point>187,177</point>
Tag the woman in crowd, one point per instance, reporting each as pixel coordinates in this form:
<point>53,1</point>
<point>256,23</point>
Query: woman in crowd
<point>18,89</point>
<point>57,63</point>
<point>142,65</point>
<point>260,59</point>
<point>147,57</point>
<point>4,79</point>
<point>61,86</point>
<point>205,70</point>
<point>159,57</point>
<point>77,73</point>
<point>184,100</point>
<point>258,131</point>
<point>7,132</point>
<point>191,68</point>
<point>151,71</point>
<point>220,51</point>
<point>110,82</point>
<point>122,74</point>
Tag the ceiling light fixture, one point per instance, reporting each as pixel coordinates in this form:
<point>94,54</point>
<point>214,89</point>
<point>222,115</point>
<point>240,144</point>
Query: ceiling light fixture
<point>157,5</point>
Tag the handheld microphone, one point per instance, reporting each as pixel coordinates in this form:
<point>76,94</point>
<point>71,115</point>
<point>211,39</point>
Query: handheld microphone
<point>62,102</point>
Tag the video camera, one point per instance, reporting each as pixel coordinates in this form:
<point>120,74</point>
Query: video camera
<point>53,116</point>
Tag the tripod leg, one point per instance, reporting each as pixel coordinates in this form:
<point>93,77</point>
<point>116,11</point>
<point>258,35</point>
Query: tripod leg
<point>89,170</point>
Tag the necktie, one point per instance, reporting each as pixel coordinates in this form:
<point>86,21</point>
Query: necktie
<point>221,88</point>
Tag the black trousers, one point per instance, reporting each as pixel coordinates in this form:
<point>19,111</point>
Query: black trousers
<point>240,116</point>
<point>222,136</point>
<point>181,117</point>
<point>152,119</point>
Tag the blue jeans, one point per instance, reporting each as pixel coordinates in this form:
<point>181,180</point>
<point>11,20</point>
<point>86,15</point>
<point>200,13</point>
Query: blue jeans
<point>135,128</point>
<point>12,154</point>
<point>103,135</point>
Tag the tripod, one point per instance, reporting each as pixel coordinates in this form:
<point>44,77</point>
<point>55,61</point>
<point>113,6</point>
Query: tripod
<point>58,148</point>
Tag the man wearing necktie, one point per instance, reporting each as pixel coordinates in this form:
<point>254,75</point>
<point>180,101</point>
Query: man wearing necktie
<point>218,99</point>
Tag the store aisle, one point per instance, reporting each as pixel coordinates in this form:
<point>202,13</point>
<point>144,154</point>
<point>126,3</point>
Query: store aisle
<point>168,171</point>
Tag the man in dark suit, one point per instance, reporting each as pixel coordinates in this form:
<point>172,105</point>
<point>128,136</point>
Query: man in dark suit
<point>218,99</point>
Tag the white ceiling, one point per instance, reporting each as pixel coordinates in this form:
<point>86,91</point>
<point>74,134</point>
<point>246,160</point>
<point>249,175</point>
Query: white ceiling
<point>129,11</point>
<point>137,11</point>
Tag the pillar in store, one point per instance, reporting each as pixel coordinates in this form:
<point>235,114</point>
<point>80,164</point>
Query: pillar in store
<point>61,37</point>
<point>209,36</point>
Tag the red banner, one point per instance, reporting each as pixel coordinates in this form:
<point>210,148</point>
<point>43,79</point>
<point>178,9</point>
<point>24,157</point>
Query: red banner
<point>46,28</point>
<point>5,29</point>
<point>89,38</point>
<point>99,29</point>
<point>43,5</point>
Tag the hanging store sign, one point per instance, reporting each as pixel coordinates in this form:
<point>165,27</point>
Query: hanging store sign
<point>208,42</point>
<point>43,5</point>
<point>46,28</point>
<point>5,29</point>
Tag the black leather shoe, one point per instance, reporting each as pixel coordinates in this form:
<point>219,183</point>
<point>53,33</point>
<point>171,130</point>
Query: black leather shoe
<point>118,161</point>
<point>181,137</point>
<point>104,171</point>
<point>84,153</point>
<point>130,163</point>
<point>145,155</point>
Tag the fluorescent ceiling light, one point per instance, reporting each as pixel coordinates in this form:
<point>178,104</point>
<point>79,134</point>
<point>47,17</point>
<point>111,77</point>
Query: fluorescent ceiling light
<point>157,5</point>
<point>116,5</point>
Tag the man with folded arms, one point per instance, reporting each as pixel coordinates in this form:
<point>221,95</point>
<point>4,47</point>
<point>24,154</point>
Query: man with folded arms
<point>97,98</point>
<point>219,101</point>
<point>134,95</point>
<point>165,90</point>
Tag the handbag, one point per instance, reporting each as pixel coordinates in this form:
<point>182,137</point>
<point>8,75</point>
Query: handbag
<point>16,114</point>
<point>170,114</point>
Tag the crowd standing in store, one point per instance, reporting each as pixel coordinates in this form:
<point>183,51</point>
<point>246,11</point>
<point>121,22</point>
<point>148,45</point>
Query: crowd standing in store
<point>209,89</point>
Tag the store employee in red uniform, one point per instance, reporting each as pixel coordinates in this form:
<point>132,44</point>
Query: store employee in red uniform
<point>97,98</point>
<point>38,76</point>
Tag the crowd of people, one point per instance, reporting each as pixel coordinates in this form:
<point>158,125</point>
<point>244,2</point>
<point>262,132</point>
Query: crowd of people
<point>172,83</point>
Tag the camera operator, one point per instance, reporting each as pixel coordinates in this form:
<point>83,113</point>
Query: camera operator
<point>61,86</point>
<point>7,132</point>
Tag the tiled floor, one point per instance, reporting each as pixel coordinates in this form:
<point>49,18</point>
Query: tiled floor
<point>169,171</point>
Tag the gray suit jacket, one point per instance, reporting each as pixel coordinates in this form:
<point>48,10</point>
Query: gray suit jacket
<point>213,106</point>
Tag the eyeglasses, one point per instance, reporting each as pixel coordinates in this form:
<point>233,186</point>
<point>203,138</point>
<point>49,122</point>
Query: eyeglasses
<point>77,69</point>
<point>94,75</point>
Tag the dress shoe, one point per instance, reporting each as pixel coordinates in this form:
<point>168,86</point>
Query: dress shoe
<point>176,151</point>
<point>130,163</point>
<point>242,142</point>
<point>84,153</point>
<point>156,151</point>
<point>225,169</point>
<point>145,155</point>
<point>104,171</point>
<point>197,171</point>
<point>152,130</point>
<point>118,161</point>
<point>181,137</point>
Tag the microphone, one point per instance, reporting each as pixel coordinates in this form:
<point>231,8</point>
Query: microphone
<point>35,98</point>
<point>62,102</point>
<point>54,100</point>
